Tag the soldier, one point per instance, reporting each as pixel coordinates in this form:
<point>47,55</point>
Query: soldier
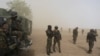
<point>49,34</point>
<point>91,37</point>
<point>16,31</point>
<point>82,31</point>
<point>75,34</point>
<point>57,38</point>
<point>3,40</point>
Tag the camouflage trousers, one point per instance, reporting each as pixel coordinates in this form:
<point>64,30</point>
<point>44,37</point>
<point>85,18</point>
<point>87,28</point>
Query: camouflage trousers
<point>91,45</point>
<point>49,45</point>
<point>54,45</point>
<point>74,39</point>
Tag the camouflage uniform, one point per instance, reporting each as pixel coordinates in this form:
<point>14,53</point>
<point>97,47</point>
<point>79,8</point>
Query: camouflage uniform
<point>96,32</point>
<point>3,43</point>
<point>3,37</point>
<point>57,38</point>
<point>16,33</point>
<point>91,37</point>
<point>75,34</point>
<point>49,34</point>
<point>16,29</point>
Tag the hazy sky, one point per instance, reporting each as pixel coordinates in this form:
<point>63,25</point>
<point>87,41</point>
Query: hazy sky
<point>64,13</point>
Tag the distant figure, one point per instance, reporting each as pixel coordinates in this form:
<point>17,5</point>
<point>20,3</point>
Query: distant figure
<point>69,30</point>
<point>57,38</point>
<point>82,31</point>
<point>61,29</point>
<point>75,34</point>
<point>96,32</point>
<point>91,37</point>
<point>49,34</point>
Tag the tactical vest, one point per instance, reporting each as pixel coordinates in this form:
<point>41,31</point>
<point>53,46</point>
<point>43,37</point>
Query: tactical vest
<point>49,33</point>
<point>57,34</point>
<point>3,43</point>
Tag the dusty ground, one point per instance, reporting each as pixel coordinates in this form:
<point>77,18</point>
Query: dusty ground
<point>68,48</point>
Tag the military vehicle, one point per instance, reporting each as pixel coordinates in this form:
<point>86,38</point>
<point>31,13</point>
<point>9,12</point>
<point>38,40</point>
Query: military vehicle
<point>26,25</point>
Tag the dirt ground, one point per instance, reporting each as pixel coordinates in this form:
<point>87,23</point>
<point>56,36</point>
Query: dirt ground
<point>39,39</point>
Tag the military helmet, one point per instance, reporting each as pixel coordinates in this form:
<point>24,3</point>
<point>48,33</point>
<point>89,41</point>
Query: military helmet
<point>76,27</point>
<point>91,30</point>
<point>56,27</point>
<point>49,27</point>
<point>14,14</point>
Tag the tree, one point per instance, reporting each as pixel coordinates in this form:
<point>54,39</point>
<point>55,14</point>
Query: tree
<point>21,8</point>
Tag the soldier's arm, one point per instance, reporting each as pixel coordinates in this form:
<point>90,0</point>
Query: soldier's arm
<point>46,33</point>
<point>96,34</point>
<point>60,35</point>
<point>73,31</point>
<point>87,37</point>
<point>95,37</point>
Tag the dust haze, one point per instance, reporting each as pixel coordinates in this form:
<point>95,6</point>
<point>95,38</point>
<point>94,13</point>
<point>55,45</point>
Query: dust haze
<point>84,14</point>
<point>65,13</point>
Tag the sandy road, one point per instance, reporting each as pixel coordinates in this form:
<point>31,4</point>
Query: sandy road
<point>67,46</point>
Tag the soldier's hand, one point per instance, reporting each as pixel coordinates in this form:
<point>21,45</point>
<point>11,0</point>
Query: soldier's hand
<point>95,40</point>
<point>87,41</point>
<point>60,38</point>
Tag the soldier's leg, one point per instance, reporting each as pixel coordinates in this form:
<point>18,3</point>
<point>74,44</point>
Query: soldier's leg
<point>90,46</point>
<point>54,45</point>
<point>74,39</point>
<point>59,46</point>
<point>48,47</point>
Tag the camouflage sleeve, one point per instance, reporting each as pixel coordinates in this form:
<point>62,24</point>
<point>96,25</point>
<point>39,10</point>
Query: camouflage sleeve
<point>60,35</point>
<point>95,36</point>
<point>74,32</point>
<point>87,37</point>
<point>95,39</point>
<point>46,33</point>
